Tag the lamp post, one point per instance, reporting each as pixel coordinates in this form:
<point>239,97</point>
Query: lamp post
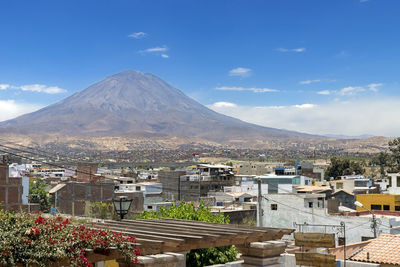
<point>122,205</point>
<point>373,224</point>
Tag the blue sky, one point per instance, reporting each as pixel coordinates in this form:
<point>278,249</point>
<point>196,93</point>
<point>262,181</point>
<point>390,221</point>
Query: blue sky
<point>326,67</point>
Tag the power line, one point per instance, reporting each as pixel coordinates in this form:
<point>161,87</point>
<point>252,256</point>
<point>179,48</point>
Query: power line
<point>46,155</point>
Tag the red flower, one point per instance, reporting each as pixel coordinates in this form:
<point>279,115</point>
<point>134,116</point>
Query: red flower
<point>35,231</point>
<point>40,220</point>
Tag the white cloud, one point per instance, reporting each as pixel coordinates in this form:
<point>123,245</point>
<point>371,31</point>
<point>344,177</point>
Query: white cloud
<point>374,87</point>
<point>365,116</point>
<point>158,50</point>
<point>155,49</point>
<point>324,92</point>
<point>351,90</point>
<point>241,72</point>
<point>309,81</point>
<point>41,88</point>
<point>223,105</point>
<point>252,89</point>
<point>297,50</point>
<point>137,35</point>
<point>10,109</point>
<point>4,86</point>
<point>305,106</point>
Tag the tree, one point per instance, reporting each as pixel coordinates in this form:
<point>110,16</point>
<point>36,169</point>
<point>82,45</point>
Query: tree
<point>394,147</point>
<point>38,193</point>
<point>102,210</point>
<point>340,167</point>
<point>188,211</point>
<point>383,160</point>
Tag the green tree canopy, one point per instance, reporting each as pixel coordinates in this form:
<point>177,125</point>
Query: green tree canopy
<point>340,167</point>
<point>38,193</point>
<point>189,211</point>
<point>394,147</point>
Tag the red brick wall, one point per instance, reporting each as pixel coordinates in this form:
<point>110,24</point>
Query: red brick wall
<point>86,171</point>
<point>10,189</point>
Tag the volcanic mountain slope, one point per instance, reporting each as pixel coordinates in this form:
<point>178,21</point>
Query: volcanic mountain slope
<point>132,103</point>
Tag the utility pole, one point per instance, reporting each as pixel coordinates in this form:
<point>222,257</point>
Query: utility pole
<point>374,224</point>
<point>259,199</point>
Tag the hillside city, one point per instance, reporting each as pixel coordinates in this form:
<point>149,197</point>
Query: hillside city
<point>199,133</point>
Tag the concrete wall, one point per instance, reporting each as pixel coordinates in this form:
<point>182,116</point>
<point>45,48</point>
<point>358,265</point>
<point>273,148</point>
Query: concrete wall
<point>291,209</point>
<point>170,184</point>
<point>394,189</point>
<point>392,201</point>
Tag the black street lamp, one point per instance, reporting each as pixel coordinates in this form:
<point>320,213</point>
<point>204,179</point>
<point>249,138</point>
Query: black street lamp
<point>122,205</point>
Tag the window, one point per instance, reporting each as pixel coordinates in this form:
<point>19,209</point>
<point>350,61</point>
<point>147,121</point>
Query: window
<point>386,207</point>
<point>137,188</point>
<point>274,206</point>
<point>310,204</point>
<point>376,207</point>
<point>339,186</point>
<point>398,181</point>
<point>366,238</point>
<point>149,207</point>
<point>397,208</point>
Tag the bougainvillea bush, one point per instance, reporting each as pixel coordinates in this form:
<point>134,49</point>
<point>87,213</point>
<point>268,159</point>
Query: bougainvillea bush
<point>34,240</point>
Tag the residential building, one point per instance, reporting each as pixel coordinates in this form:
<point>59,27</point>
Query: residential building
<point>283,210</point>
<point>190,185</point>
<point>307,168</point>
<point>345,198</point>
<point>354,185</point>
<point>229,198</point>
<point>283,183</point>
<point>381,251</point>
<point>394,183</point>
<point>386,202</point>
<point>170,181</point>
<point>383,184</point>
<point>253,168</point>
<point>157,206</point>
<point>285,171</point>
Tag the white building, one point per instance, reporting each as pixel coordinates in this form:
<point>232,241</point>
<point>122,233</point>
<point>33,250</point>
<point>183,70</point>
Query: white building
<point>394,183</point>
<point>284,210</point>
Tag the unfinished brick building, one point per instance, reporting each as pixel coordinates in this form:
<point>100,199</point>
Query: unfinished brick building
<point>75,198</point>
<point>10,189</point>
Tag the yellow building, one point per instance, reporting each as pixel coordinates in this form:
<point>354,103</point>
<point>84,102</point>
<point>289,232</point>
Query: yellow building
<point>379,202</point>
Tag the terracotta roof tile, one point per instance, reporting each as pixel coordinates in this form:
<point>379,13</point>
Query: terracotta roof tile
<point>384,249</point>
